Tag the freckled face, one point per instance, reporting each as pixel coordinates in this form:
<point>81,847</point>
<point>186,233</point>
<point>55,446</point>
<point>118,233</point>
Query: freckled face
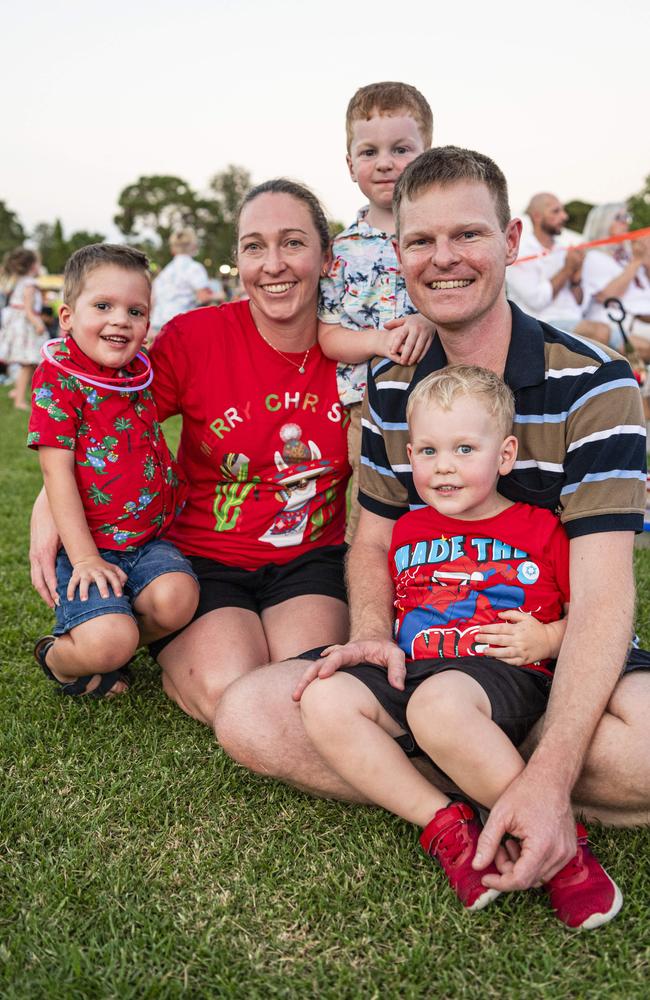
<point>110,318</point>
<point>457,455</point>
<point>453,252</point>
<point>280,258</point>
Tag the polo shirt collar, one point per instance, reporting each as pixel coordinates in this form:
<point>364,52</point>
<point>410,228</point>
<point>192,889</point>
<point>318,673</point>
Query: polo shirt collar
<point>525,361</point>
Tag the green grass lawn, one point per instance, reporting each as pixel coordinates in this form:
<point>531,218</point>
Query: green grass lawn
<point>138,861</point>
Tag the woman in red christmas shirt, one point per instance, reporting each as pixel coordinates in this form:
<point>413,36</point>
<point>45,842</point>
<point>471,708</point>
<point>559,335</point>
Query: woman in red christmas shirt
<point>264,448</point>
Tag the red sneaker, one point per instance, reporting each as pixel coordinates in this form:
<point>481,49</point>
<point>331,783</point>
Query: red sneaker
<point>582,894</point>
<point>451,838</point>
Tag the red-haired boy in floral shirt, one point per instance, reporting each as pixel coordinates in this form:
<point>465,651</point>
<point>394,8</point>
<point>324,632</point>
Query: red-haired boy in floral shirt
<point>109,477</point>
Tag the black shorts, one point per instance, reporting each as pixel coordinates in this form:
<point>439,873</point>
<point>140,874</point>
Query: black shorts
<point>517,697</point>
<point>318,572</point>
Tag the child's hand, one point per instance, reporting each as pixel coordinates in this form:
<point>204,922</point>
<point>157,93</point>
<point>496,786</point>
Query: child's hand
<point>410,340</point>
<point>94,569</point>
<point>520,639</point>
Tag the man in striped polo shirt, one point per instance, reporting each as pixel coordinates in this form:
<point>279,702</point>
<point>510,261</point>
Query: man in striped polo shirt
<point>581,439</point>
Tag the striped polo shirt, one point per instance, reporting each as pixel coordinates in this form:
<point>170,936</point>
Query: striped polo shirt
<point>579,422</point>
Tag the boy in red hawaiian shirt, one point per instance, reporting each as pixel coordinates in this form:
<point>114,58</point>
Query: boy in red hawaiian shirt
<point>109,477</point>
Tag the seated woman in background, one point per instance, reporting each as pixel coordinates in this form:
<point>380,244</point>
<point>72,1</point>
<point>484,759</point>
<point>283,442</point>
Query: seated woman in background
<point>619,271</point>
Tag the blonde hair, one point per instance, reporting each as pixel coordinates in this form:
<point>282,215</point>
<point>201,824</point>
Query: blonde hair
<point>95,255</point>
<point>184,241</point>
<point>389,98</point>
<point>442,388</point>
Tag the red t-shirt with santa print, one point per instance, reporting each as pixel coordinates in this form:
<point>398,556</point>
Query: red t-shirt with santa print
<point>263,446</point>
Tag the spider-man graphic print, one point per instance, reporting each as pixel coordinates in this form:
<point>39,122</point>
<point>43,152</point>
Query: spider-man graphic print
<point>451,577</point>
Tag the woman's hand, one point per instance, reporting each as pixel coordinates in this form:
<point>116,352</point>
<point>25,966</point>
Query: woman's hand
<point>383,652</point>
<point>43,545</point>
<point>520,639</point>
<point>94,569</point>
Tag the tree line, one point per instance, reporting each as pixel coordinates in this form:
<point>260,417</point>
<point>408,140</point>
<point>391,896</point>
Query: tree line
<point>154,205</point>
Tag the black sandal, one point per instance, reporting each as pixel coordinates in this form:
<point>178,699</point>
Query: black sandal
<point>80,685</point>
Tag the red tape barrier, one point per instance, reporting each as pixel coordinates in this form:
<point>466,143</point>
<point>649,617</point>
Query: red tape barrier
<point>636,234</point>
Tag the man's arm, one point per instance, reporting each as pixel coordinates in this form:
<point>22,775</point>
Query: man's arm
<point>536,807</point>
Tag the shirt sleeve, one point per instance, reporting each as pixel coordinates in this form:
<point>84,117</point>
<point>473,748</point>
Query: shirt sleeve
<point>169,366</point>
<point>605,464</point>
<point>332,294</point>
<point>55,416</point>
<point>528,286</point>
<point>197,276</point>
<point>598,269</point>
<point>558,548</point>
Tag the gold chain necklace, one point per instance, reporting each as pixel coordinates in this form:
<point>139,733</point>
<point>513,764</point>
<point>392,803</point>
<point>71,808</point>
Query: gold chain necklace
<point>300,367</point>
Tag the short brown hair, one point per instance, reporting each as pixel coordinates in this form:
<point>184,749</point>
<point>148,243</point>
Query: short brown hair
<point>447,165</point>
<point>444,386</point>
<point>388,98</point>
<point>87,258</point>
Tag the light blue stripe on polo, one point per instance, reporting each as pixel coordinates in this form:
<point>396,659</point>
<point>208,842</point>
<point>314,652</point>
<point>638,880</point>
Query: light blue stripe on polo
<point>377,468</point>
<point>620,383</point>
<point>379,367</point>
<point>386,426</point>
<point>592,347</point>
<point>599,477</point>
<point>540,418</point>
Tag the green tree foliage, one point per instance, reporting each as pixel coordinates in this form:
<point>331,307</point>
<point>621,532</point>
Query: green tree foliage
<point>577,211</point>
<point>12,234</point>
<point>639,206</point>
<point>226,191</point>
<point>155,206</point>
<point>55,248</point>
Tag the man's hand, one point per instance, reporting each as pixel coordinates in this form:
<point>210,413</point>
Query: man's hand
<point>533,810</point>
<point>94,569</point>
<point>410,340</point>
<point>43,546</point>
<point>383,652</point>
<point>573,262</point>
<point>520,639</point>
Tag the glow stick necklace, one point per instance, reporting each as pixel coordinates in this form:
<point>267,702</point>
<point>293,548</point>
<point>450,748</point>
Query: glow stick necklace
<point>108,384</point>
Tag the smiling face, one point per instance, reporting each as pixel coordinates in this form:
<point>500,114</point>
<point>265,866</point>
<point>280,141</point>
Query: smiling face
<point>110,316</point>
<point>380,149</point>
<point>457,456</point>
<point>280,259</point>
<point>454,253</point>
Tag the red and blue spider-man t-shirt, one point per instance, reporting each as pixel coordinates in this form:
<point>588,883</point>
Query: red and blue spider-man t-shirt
<point>129,484</point>
<point>451,577</point>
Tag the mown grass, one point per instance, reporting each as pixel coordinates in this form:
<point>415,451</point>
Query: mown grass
<point>138,861</point>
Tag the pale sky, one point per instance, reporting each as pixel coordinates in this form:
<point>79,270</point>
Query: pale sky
<point>96,94</point>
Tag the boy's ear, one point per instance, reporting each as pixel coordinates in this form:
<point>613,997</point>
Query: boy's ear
<point>65,317</point>
<point>409,450</point>
<point>508,455</point>
<point>348,160</point>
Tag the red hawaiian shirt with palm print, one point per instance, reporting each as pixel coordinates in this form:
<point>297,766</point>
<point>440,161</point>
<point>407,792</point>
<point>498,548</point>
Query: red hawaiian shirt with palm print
<point>129,484</point>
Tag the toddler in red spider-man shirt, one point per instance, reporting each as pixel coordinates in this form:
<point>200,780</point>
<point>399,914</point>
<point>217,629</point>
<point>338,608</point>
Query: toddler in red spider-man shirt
<point>111,483</point>
<point>481,584</point>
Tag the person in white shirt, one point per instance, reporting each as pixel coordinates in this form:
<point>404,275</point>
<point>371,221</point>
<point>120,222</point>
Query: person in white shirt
<point>550,287</point>
<point>183,284</point>
<point>619,271</point>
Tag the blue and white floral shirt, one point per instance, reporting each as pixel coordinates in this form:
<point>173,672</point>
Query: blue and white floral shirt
<point>364,289</point>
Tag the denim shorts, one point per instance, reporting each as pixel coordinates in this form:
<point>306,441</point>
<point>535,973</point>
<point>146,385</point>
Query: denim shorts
<point>141,566</point>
